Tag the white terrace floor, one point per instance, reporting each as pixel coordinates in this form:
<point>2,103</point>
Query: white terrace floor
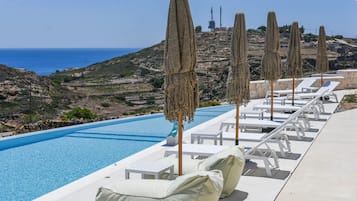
<point>323,167</point>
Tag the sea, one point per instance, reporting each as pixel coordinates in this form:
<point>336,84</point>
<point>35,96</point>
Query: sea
<point>45,61</point>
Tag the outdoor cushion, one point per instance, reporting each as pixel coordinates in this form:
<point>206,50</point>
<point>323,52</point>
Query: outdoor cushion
<point>196,186</point>
<point>231,162</point>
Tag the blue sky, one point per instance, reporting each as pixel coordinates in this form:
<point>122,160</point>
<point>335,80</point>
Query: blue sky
<point>141,23</point>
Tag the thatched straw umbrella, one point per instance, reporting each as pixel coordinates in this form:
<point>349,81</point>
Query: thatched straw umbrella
<point>181,92</point>
<point>271,62</point>
<point>294,55</point>
<point>322,60</point>
<point>239,75</point>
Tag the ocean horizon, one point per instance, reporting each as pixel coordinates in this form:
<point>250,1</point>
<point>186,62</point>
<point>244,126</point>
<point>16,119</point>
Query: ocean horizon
<point>45,61</point>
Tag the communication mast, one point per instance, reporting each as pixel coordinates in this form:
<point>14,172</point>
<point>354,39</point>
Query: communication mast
<point>212,23</point>
<point>220,17</point>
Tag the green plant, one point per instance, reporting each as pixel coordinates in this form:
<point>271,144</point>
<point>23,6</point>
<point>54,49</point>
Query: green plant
<point>262,29</point>
<point>129,103</point>
<point>350,98</point>
<point>198,29</point>
<point>31,118</point>
<point>302,29</point>
<point>157,82</point>
<point>310,37</point>
<point>105,104</point>
<point>144,72</point>
<point>127,74</point>
<point>120,98</point>
<point>339,36</point>
<point>210,103</point>
<point>79,113</point>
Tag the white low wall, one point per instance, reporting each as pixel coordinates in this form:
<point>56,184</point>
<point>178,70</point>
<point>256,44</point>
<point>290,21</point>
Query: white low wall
<point>347,79</point>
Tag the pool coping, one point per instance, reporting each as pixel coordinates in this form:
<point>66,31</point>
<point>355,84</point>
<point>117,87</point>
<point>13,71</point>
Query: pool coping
<point>36,136</point>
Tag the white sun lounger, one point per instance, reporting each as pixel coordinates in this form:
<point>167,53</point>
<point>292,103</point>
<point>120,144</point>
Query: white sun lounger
<point>277,107</point>
<point>258,137</point>
<point>248,136</point>
<point>208,150</point>
<point>322,92</point>
<point>193,150</point>
<point>249,123</point>
<point>256,114</point>
<point>288,108</point>
<point>297,102</point>
<point>246,124</point>
<point>304,86</point>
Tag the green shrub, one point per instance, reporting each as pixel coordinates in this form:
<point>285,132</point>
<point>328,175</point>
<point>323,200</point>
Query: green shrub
<point>128,103</point>
<point>350,98</point>
<point>339,36</point>
<point>262,29</point>
<point>210,103</point>
<point>310,37</point>
<point>105,104</point>
<point>150,102</point>
<point>144,72</point>
<point>157,82</point>
<point>79,113</point>
<point>120,98</point>
<point>31,118</point>
<point>198,29</point>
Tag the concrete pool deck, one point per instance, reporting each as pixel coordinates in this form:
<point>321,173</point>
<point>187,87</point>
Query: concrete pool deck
<point>329,169</point>
<point>289,182</point>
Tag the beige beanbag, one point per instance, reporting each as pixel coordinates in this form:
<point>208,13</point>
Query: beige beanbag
<point>197,186</point>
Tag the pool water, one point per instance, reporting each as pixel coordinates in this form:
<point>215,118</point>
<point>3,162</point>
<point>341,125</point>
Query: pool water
<point>31,170</point>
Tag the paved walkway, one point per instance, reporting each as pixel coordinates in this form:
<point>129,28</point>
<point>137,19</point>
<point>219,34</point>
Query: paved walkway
<point>329,169</point>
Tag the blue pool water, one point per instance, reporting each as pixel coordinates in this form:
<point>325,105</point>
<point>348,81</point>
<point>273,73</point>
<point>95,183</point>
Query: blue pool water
<point>30,170</point>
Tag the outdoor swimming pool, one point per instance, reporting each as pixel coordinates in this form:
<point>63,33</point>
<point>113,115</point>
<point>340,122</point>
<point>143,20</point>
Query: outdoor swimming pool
<point>33,165</point>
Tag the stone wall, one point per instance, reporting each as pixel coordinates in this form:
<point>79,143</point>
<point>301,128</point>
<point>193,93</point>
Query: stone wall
<point>347,79</point>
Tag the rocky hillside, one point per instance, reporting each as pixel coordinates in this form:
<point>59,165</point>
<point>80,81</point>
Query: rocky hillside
<point>137,78</point>
<point>132,84</point>
<point>23,94</point>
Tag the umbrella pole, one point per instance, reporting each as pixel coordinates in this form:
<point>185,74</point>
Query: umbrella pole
<point>272,99</point>
<point>237,122</point>
<point>180,128</point>
<point>292,102</point>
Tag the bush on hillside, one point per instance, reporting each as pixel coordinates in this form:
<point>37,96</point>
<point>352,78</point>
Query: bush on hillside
<point>31,118</point>
<point>105,104</point>
<point>79,113</point>
<point>210,103</point>
<point>350,98</point>
<point>157,82</point>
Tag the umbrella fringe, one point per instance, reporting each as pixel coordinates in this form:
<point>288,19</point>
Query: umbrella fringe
<point>294,53</point>
<point>181,95</point>
<point>238,83</point>
<point>238,89</point>
<point>322,59</point>
<point>271,61</point>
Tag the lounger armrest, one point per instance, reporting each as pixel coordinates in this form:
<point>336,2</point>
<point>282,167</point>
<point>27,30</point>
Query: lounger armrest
<point>309,89</point>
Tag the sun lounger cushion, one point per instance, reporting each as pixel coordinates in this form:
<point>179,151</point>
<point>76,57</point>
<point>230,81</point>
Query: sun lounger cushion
<point>231,162</point>
<point>196,186</point>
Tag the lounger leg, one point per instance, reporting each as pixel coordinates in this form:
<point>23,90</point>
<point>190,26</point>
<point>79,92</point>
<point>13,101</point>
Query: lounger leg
<point>275,157</point>
<point>281,147</point>
<point>127,176</point>
<point>267,167</point>
<point>286,139</point>
<point>272,154</point>
<point>334,95</point>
